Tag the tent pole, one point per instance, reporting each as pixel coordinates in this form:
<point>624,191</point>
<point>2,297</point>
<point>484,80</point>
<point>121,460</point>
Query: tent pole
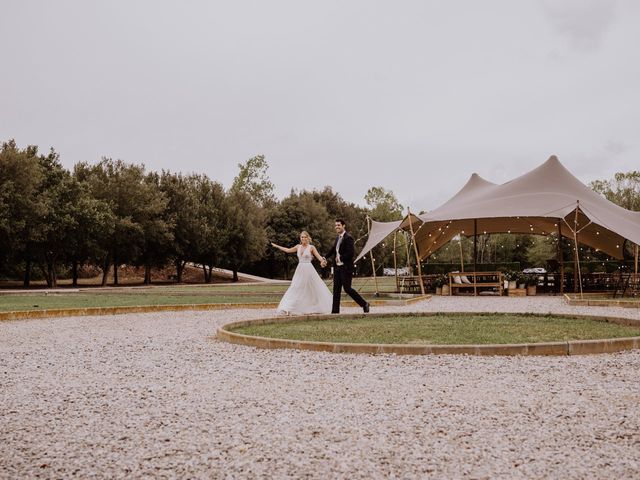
<point>406,245</point>
<point>415,247</point>
<point>373,264</point>
<point>395,258</point>
<point>408,264</point>
<point>560,257</point>
<point>576,269</point>
<point>636,259</point>
<point>475,245</point>
<point>461,255</point>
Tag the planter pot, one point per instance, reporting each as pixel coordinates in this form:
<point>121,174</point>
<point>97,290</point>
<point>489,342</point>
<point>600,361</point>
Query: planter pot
<point>517,292</point>
<point>531,290</point>
<point>445,290</point>
<point>438,290</point>
<point>512,285</point>
<point>521,286</point>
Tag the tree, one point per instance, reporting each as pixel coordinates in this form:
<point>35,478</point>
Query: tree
<point>253,180</point>
<point>93,222</point>
<point>183,207</point>
<point>157,227</point>
<point>246,237</point>
<point>59,193</point>
<point>623,190</point>
<point>384,205</point>
<point>21,208</point>
<point>211,237</point>
<point>354,215</point>
<point>141,231</point>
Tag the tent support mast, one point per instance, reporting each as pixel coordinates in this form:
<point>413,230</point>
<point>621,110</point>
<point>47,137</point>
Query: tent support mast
<point>636,259</point>
<point>475,245</point>
<point>461,255</point>
<point>395,258</point>
<point>373,262</point>
<point>415,247</point>
<point>576,269</point>
<point>560,256</point>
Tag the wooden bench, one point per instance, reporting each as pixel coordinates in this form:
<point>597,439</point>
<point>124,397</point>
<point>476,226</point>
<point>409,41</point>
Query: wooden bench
<point>409,284</point>
<point>476,280</point>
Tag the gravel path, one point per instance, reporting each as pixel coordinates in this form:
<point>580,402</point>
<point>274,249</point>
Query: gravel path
<point>150,395</point>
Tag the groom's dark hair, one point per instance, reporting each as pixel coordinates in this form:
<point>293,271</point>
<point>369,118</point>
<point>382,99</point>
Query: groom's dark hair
<point>339,220</point>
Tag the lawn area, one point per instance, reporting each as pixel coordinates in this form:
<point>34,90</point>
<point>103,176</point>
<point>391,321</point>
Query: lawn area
<point>158,295</point>
<point>82,300</point>
<point>361,284</point>
<point>85,300</point>
<point>444,329</point>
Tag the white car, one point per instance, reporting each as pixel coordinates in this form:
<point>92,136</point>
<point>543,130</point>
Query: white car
<point>534,270</point>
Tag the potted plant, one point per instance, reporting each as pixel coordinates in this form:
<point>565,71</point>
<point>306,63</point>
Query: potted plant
<point>521,280</point>
<point>511,278</point>
<point>438,282</point>
<point>445,284</point>
<point>531,282</point>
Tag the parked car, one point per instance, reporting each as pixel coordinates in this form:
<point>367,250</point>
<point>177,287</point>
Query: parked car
<point>403,271</point>
<point>534,270</point>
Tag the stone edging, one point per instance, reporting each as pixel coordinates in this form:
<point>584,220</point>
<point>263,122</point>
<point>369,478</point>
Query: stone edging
<point>575,347</point>
<point>585,302</point>
<point>76,312</point>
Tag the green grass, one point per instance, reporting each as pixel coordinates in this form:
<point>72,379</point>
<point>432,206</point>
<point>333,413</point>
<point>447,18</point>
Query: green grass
<point>45,302</point>
<point>444,329</point>
<point>363,285</point>
<point>130,298</point>
<point>158,295</point>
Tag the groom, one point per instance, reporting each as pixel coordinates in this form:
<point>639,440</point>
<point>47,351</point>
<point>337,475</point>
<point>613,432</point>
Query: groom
<point>343,250</point>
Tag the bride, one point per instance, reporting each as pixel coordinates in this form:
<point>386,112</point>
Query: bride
<point>307,292</point>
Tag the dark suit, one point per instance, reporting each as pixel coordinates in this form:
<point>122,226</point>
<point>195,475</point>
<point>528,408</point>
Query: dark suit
<point>343,274</point>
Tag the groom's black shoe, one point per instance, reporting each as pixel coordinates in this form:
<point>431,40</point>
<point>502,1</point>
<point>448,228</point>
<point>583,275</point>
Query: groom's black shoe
<point>366,308</point>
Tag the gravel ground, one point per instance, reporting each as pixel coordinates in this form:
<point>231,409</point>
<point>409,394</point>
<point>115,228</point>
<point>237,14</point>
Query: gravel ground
<point>152,395</point>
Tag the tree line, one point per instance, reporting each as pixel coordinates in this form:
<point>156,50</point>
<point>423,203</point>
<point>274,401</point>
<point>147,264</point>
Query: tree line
<point>54,221</point>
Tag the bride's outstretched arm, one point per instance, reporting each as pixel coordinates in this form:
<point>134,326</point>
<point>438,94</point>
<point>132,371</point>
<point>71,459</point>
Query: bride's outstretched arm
<point>285,249</point>
<point>314,250</point>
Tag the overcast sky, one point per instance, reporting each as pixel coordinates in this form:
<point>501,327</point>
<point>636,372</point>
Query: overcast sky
<point>410,95</point>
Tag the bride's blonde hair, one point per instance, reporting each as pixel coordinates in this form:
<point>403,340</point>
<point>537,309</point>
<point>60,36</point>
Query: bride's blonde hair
<point>304,232</point>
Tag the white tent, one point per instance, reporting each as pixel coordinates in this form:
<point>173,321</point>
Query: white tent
<point>548,199</point>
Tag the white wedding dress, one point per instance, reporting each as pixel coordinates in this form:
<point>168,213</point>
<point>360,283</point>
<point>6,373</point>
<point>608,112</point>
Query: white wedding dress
<point>307,292</point>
